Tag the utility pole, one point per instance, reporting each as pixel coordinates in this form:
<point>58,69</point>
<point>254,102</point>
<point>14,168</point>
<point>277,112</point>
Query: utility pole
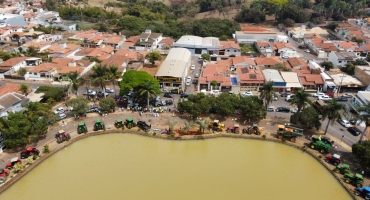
<point>340,86</point>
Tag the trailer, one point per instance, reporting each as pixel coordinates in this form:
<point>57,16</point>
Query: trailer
<point>288,131</point>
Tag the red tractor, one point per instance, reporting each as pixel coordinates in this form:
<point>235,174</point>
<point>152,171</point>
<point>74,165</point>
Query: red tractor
<point>4,172</point>
<point>12,162</point>
<point>62,136</point>
<point>335,159</point>
<point>30,151</point>
<point>233,129</point>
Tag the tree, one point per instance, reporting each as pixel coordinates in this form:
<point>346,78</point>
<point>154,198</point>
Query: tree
<point>76,81</point>
<point>131,81</point>
<point>267,93</point>
<point>113,75</point>
<point>289,22</point>
<point>203,124</point>
<point>360,61</point>
<point>16,37</point>
<point>55,93</point>
<point>225,104</point>
<point>31,51</point>
<point>79,105</point>
<point>214,84</point>
<point>18,131</point>
<point>224,38</point>
<point>24,88</point>
<point>171,125</point>
<point>331,111</point>
<point>147,90</point>
<point>153,56</point>
<point>99,76</point>
<point>206,56</point>
<point>327,65</point>
<point>22,71</point>
<point>277,5</point>
<point>252,108</point>
<point>95,59</point>
<point>361,151</point>
<point>332,26</point>
<point>108,104</point>
<point>196,104</point>
<point>364,117</point>
<point>188,125</point>
<point>308,118</point>
<point>300,99</point>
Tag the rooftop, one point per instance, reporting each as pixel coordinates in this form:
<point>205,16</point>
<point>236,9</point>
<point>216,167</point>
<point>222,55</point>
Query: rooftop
<point>344,79</point>
<point>272,75</point>
<point>345,55</point>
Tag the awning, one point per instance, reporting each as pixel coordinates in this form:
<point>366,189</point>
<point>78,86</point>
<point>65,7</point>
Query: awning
<point>279,84</point>
<point>293,85</point>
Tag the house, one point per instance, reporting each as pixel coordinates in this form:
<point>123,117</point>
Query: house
<point>329,85</point>
<point>149,40</point>
<point>310,79</point>
<point>174,69</point>
<point>229,49</point>
<point>219,72</point>
<point>283,49</point>
<point>292,82</point>
<point>320,46</point>
<point>131,42</point>
<point>275,76</point>
<point>40,46</point>
<point>133,56</point>
<point>12,20</point>
<point>297,33</point>
<point>46,18</point>
<point>250,78</point>
<point>12,65</point>
<point>82,36</point>
<point>115,41</point>
<point>199,45</point>
<point>267,62</point>
<point>345,81</point>
<point>349,47</point>
<point>64,50</point>
<point>296,63</point>
<point>10,88</point>
<point>315,66</point>
<point>340,59</point>
<point>363,74</point>
<point>12,102</point>
<point>250,35</point>
<point>44,71</point>
<point>165,44</point>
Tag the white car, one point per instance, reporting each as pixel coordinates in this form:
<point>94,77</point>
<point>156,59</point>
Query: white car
<point>196,76</point>
<point>271,108</point>
<point>188,79</point>
<point>60,110</point>
<point>307,51</point>
<point>247,94</point>
<point>203,91</point>
<point>188,83</point>
<point>109,90</point>
<point>344,123</point>
<point>63,116</point>
<point>324,98</point>
<point>215,92</point>
<point>318,94</point>
<point>285,57</point>
<point>192,67</point>
<point>88,92</point>
<point>347,95</point>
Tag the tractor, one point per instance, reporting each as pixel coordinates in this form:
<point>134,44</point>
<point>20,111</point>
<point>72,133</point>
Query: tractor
<point>365,192</point>
<point>62,136</point>
<point>12,162</point>
<point>129,123</point>
<point>335,159</point>
<point>99,125</point>
<point>118,123</point>
<point>252,130</point>
<point>3,175</point>
<point>354,179</point>
<point>30,151</point>
<point>343,169</point>
<point>320,146</point>
<point>324,139</point>
<point>216,125</point>
<point>81,128</point>
<point>233,129</point>
<point>288,131</point>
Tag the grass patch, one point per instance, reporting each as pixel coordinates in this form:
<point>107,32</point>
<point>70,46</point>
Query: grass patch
<point>248,49</point>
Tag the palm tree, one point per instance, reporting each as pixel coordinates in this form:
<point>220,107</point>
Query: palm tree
<point>364,117</point>
<point>300,99</point>
<point>171,125</point>
<point>331,111</point>
<point>99,76</point>
<point>267,92</point>
<point>188,125</point>
<point>146,90</point>
<point>113,75</point>
<point>23,88</point>
<point>76,82</point>
<point>203,124</point>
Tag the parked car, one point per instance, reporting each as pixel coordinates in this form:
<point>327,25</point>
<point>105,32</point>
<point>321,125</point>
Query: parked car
<point>283,109</point>
<point>289,98</point>
<point>354,131</point>
<point>196,76</point>
<point>192,67</point>
<point>285,56</point>
<point>102,94</point>
<point>59,110</point>
<point>195,81</point>
<point>188,83</point>
<point>275,97</point>
<point>215,92</point>
<point>204,91</point>
<point>344,123</point>
<point>284,94</point>
<point>347,95</point>
<point>143,126</point>
<point>307,51</point>
<point>175,91</point>
<point>247,94</point>
<point>294,110</point>
<point>188,79</point>
<point>109,90</point>
<point>324,98</point>
<point>342,98</point>
<point>90,92</point>
<point>318,94</point>
<point>62,116</point>
<point>271,109</point>
<point>184,95</point>
<point>169,95</point>
<point>330,94</point>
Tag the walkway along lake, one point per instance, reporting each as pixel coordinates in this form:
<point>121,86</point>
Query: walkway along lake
<point>127,166</point>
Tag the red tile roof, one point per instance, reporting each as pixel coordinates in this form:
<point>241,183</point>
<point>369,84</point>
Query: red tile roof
<point>267,61</point>
<point>249,75</point>
<point>228,45</point>
<point>11,87</point>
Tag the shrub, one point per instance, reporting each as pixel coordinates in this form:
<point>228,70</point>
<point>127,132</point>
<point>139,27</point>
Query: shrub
<point>264,136</point>
<point>283,139</point>
<point>320,156</point>
<point>46,149</point>
<point>154,133</point>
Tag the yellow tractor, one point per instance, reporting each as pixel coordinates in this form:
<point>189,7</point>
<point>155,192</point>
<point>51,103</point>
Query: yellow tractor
<point>216,126</point>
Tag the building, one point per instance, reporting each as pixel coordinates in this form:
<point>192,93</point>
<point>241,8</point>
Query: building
<point>12,19</point>
<point>310,79</point>
<point>267,62</point>
<point>199,45</point>
<point>345,82</point>
<point>292,82</point>
<point>361,99</point>
<point>229,49</point>
<point>363,74</point>
<point>149,41</point>
<point>174,69</point>
<point>12,102</point>
<point>296,63</point>
<point>340,59</point>
<point>250,35</point>
<point>298,33</point>
<point>275,76</point>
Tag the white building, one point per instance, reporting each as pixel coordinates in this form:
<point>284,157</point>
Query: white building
<point>341,58</point>
<point>12,19</point>
<point>292,80</point>
<point>198,45</point>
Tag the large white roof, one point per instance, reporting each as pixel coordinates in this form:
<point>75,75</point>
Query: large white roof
<point>291,79</point>
<point>190,40</point>
<point>272,75</point>
<point>175,63</point>
<point>343,79</point>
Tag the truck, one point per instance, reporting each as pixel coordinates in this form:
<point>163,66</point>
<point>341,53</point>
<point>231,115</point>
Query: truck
<point>289,132</point>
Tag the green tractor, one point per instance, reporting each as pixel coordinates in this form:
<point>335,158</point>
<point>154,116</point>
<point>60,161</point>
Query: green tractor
<point>320,146</point>
<point>129,123</point>
<point>99,125</point>
<point>354,179</point>
<point>343,169</point>
<point>81,128</point>
<point>118,123</point>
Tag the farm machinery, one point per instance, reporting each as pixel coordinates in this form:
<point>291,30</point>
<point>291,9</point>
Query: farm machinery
<point>253,130</point>
<point>12,162</point>
<point>289,132</point>
<point>343,169</point>
<point>62,136</point>
<point>335,159</point>
<point>129,123</point>
<point>365,192</point>
<point>30,151</point>
<point>354,179</point>
<point>216,125</point>
<point>81,128</point>
<point>99,125</point>
<point>233,129</point>
<point>118,123</point>
<point>320,146</point>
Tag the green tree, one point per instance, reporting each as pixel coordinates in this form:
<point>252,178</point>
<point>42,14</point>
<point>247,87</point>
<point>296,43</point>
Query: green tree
<point>99,76</point>
<point>22,71</point>
<point>5,56</point>
<point>361,151</point>
<point>277,5</point>
<point>171,126</point>
<point>206,56</point>
<point>24,88</point>
<point>147,90</point>
<point>300,99</point>
<point>331,111</point>
<point>132,79</point>
<point>188,125</point>
<point>252,108</point>
<point>308,118</point>
<point>55,93</point>
<point>360,61</point>
<point>364,117</point>
<point>18,167</point>
<point>226,104</point>
<point>267,93</point>
<point>153,56</point>
<point>31,51</point>
<point>18,130</point>
<point>79,105</point>
<point>113,75</point>
<point>289,22</point>
<point>108,104</point>
<point>76,81</point>
<point>224,38</point>
<point>17,37</point>
<point>196,104</point>
<point>327,65</point>
<point>214,84</point>
<point>95,59</point>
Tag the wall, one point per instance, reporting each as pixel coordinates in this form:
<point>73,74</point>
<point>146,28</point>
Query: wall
<point>362,75</point>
